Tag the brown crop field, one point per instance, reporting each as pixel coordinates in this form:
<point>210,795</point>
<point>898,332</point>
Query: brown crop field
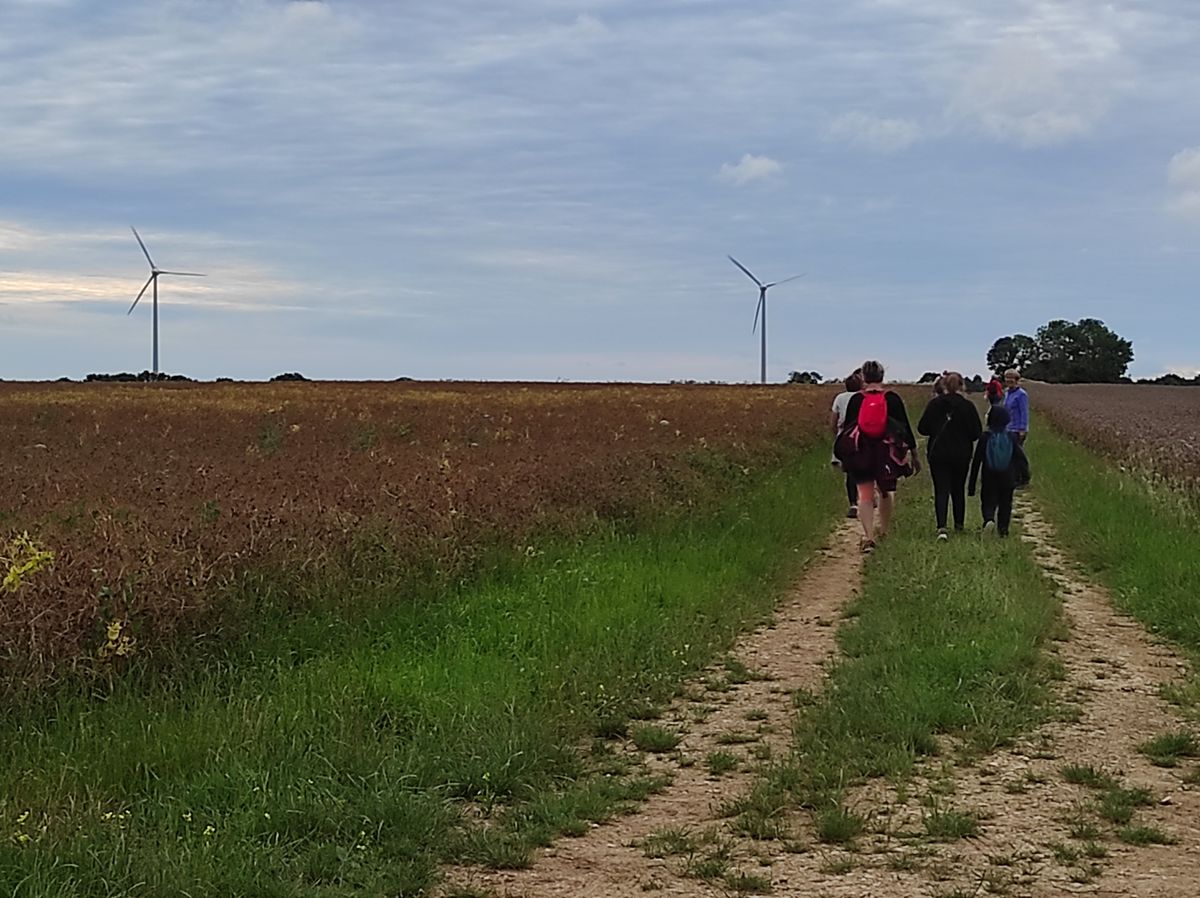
<point>154,501</point>
<point>1152,428</point>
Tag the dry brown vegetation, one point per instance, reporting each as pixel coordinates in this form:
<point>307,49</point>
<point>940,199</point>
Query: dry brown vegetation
<point>157,500</point>
<point>1149,427</point>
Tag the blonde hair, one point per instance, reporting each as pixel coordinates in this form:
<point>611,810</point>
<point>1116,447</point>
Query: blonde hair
<point>1014,372</point>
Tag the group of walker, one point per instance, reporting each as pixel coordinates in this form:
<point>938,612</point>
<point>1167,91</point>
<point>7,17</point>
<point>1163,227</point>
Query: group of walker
<point>875,446</point>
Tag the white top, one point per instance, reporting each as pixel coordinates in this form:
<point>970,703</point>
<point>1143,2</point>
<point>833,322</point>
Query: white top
<point>840,404</point>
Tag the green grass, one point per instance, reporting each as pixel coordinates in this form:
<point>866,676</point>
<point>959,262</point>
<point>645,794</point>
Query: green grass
<point>1140,540</point>
<point>946,640</point>
<point>720,763</point>
<point>1088,775</point>
<point>654,738</point>
<point>1118,804</point>
<point>341,763</point>
<point>947,824</point>
<point>1166,749</point>
<point>1144,835</point>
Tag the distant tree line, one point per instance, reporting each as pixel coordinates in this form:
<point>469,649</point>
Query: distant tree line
<point>126,377</point>
<point>804,377</point>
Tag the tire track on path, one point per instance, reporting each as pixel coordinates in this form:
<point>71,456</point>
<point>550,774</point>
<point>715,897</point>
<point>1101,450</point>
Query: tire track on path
<point>790,654</point>
<point>1041,836</point>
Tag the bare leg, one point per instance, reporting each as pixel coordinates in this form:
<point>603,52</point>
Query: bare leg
<point>866,509</point>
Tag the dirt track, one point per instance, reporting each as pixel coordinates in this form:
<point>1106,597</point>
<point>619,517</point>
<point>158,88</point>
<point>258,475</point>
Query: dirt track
<point>1031,818</point>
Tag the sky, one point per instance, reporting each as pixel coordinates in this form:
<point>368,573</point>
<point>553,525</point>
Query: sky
<point>547,190</point>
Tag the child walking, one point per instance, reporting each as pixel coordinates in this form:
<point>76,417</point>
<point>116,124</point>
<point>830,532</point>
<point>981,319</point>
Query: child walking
<point>1004,465</point>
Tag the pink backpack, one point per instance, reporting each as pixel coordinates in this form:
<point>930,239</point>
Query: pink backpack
<point>873,415</point>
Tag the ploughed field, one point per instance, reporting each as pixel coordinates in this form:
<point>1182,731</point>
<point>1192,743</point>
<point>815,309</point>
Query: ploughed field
<point>135,515</point>
<point>1153,428</point>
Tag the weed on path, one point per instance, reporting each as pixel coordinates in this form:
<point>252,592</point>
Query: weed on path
<point>732,721</point>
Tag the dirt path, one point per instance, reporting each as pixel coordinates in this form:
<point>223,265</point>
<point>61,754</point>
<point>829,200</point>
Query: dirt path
<point>1038,835</point>
<point>792,655</point>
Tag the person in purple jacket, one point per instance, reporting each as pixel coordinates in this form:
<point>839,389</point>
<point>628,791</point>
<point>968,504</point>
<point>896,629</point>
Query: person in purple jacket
<point>1016,402</point>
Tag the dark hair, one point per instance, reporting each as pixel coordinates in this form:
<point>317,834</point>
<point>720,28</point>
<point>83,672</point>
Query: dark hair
<point>872,372</point>
<point>997,418</point>
<point>854,382</point>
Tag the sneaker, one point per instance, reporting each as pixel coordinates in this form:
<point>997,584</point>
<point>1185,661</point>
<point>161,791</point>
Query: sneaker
<point>868,546</point>
<point>853,512</point>
<point>989,526</point>
<point>943,535</point>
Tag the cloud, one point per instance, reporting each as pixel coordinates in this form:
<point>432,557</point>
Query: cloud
<point>1024,93</point>
<point>1183,179</point>
<point>751,168</point>
<point>882,135</point>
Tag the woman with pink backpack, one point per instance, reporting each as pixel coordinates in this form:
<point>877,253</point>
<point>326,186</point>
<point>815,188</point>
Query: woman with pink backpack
<point>876,447</point>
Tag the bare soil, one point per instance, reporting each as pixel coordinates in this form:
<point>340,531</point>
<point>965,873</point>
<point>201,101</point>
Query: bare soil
<point>1038,835</point>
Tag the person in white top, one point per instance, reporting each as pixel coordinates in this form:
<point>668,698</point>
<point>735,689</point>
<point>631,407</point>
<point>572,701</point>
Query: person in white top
<point>837,418</point>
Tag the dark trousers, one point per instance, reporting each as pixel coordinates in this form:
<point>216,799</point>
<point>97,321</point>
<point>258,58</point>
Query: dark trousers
<point>949,486</point>
<point>996,499</point>
<point>852,490</point>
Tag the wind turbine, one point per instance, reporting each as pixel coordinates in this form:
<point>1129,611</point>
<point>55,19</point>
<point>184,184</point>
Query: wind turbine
<point>155,271</point>
<point>762,307</point>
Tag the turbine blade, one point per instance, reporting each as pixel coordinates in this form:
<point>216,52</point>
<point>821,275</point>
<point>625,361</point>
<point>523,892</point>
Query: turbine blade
<point>758,308</point>
<point>140,292</point>
<point>745,269</point>
<point>785,280</point>
<point>145,251</point>
<point>189,274</point>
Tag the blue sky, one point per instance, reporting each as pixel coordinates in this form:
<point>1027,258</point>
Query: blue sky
<point>544,190</point>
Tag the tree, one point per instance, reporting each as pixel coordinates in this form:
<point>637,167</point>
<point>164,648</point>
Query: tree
<point>1018,351</point>
<point>929,377</point>
<point>1064,352</point>
<point>1002,355</point>
<point>804,377</point>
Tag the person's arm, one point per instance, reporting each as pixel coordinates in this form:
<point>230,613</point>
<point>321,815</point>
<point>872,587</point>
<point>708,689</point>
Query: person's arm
<point>833,422</point>
<point>976,462</point>
<point>897,411</point>
<point>925,425</point>
<point>973,425</point>
<point>1019,414</point>
<point>852,408</point>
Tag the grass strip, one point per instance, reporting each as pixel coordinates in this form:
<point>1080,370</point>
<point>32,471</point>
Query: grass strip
<point>946,639</point>
<point>359,769</point>
<point>1141,539</point>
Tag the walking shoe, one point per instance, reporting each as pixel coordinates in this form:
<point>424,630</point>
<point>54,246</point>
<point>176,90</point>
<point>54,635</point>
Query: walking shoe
<point>868,546</point>
<point>853,512</point>
<point>942,535</point>
<point>989,526</point>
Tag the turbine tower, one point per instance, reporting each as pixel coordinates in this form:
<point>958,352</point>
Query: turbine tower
<point>155,271</point>
<point>762,308</point>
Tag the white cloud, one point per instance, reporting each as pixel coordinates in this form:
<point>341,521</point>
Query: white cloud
<point>883,135</point>
<point>1183,178</point>
<point>751,168</point>
<point>1025,93</point>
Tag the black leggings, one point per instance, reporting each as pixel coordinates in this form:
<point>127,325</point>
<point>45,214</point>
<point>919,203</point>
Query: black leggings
<point>996,499</point>
<point>949,485</point>
<point>852,490</point>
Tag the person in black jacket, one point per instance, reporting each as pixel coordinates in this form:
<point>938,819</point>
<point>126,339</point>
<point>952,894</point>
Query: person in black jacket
<point>1004,465</point>
<point>879,462</point>
<point>952,424</point>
